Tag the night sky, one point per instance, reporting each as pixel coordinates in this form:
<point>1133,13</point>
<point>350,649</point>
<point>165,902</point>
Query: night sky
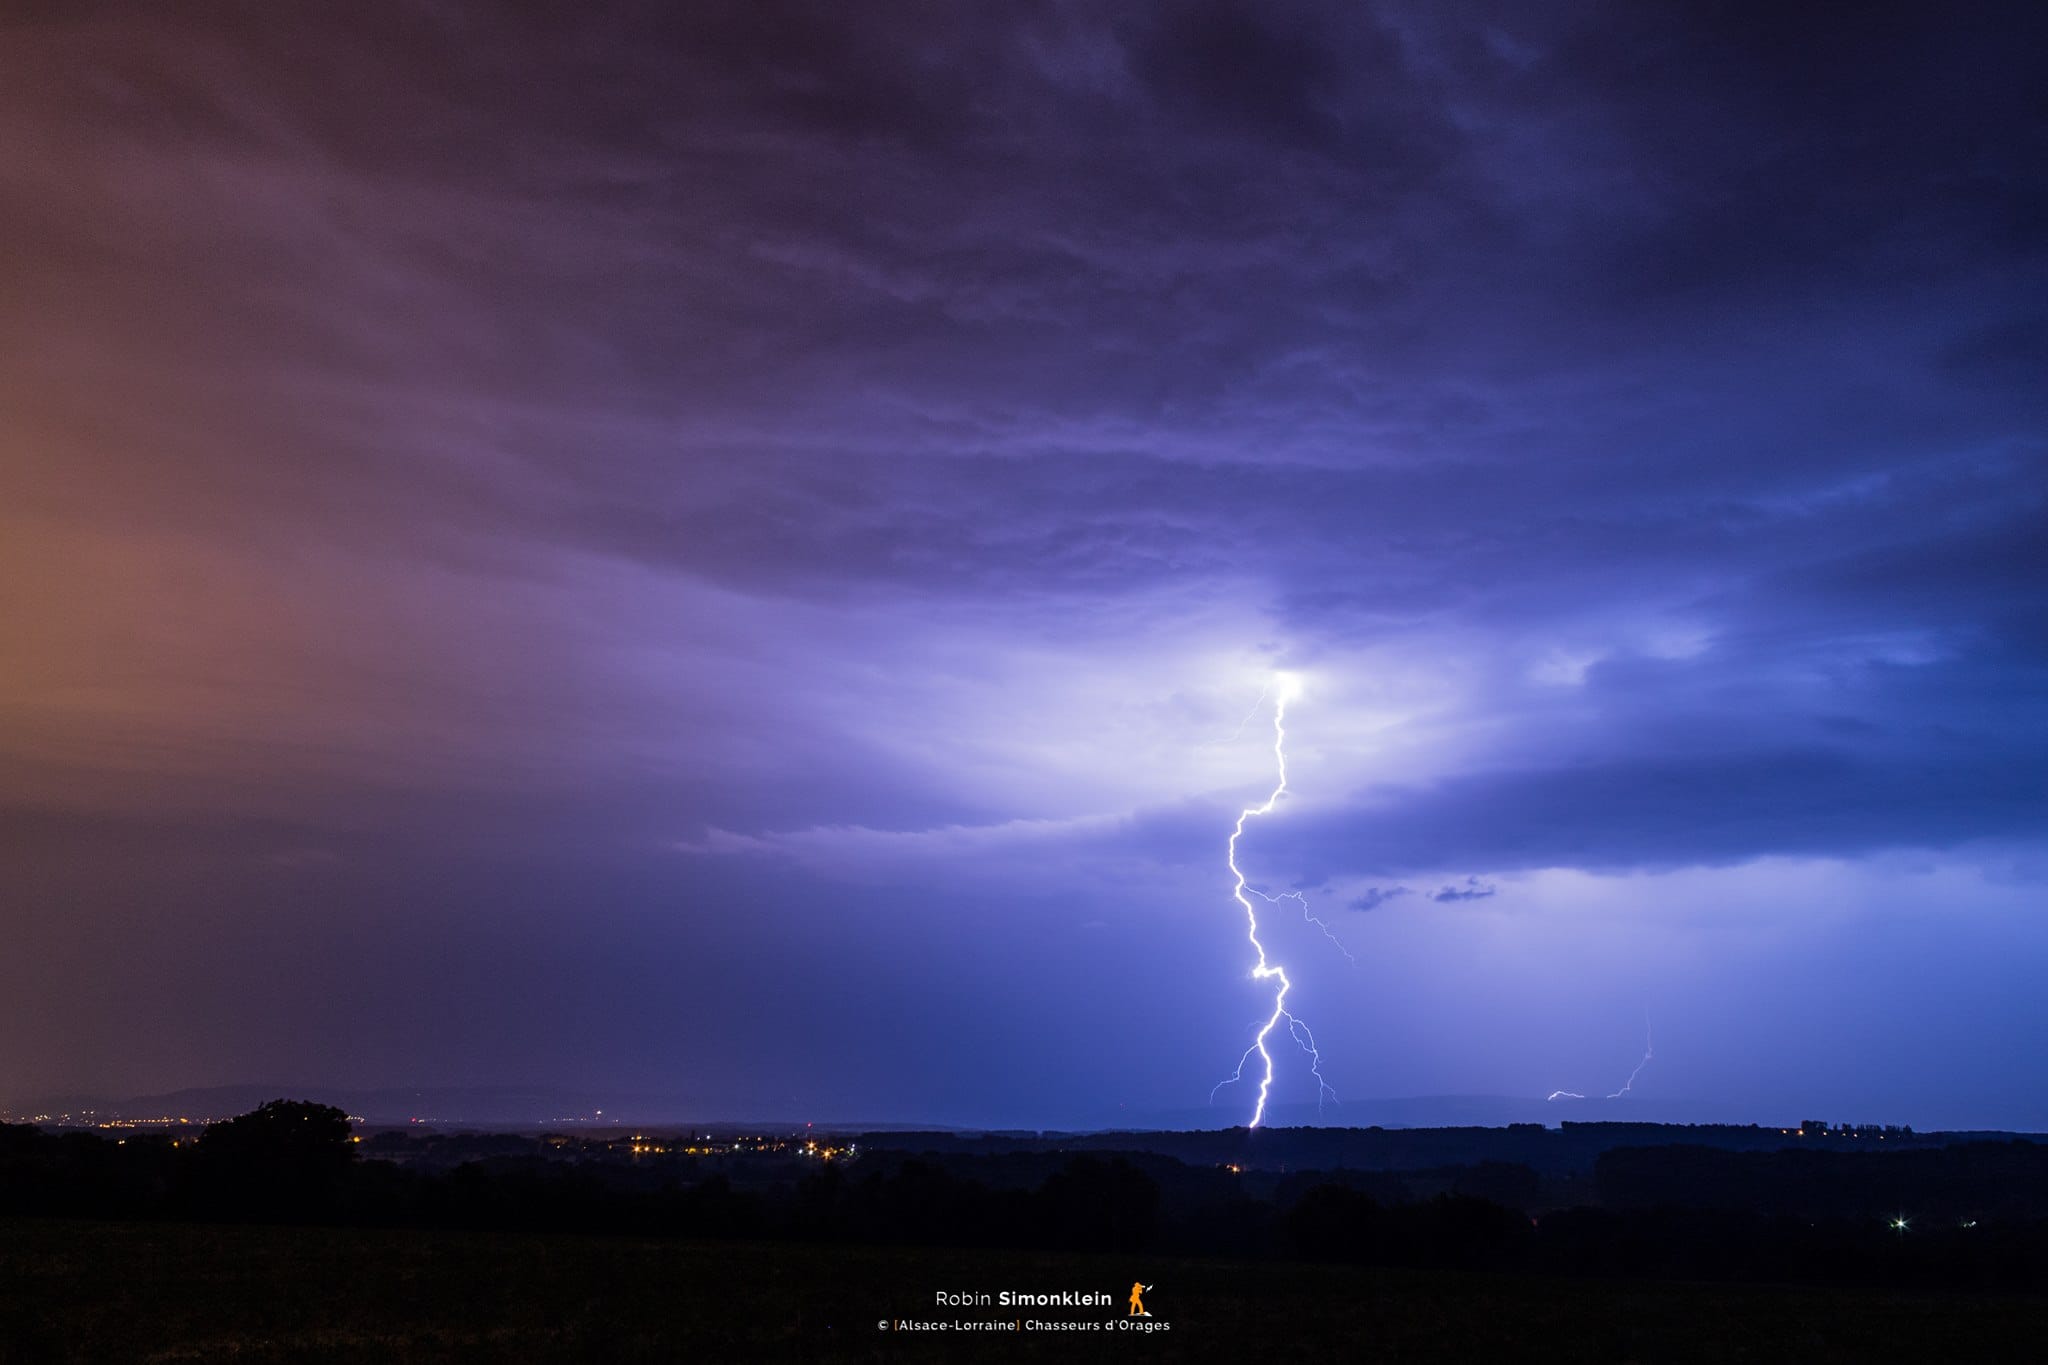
<point>725,551</point>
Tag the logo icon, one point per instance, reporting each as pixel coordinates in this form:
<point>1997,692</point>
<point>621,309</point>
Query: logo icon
<point>1138,1309</point>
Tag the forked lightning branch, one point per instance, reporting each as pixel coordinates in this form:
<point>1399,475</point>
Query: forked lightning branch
<point>1285,688</point>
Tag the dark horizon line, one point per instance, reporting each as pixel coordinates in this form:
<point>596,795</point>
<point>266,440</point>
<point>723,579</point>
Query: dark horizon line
<point>381,1108</point>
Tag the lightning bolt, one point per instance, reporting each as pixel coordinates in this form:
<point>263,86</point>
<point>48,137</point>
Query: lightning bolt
<point>1253,710</point>
<point>1648,1052</point>
<point>1285,687</point>
<point>1302,900</point>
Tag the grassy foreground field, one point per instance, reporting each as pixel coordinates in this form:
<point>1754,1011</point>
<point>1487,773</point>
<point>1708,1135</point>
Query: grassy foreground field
<point>78,1291</point>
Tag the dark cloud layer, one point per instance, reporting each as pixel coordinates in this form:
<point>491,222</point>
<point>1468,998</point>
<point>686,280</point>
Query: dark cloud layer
<point>635,426</point>
<point>1375,896</point>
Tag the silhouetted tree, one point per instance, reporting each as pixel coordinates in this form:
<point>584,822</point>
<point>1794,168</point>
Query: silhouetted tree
<point>285,1159</point>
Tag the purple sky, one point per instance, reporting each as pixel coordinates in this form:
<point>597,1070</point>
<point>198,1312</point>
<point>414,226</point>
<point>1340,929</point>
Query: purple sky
<point>719,550</point>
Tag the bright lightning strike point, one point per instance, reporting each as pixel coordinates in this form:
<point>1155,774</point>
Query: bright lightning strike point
<point>1285,687</point>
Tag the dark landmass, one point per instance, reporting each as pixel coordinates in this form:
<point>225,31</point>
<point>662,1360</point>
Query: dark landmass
<point>1812,1203</point>
<point>1574,1231</point>
<point>1568,1148</point>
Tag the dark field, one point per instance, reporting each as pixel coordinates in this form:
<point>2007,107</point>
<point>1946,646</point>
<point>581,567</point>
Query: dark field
<point>80,1291</point>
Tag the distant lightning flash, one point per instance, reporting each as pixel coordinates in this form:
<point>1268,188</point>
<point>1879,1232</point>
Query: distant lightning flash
<point>1285,687</point>
<point>1649,1051</point>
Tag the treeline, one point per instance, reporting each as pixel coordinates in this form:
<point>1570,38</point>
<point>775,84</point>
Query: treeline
<point>1979,1181</point>
<point>1966,1217</point>
<point>1551,1152</point>
<point>1336,1224</point>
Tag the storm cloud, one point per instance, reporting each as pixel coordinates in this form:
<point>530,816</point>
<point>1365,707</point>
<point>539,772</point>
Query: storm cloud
<point>739,467</point>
